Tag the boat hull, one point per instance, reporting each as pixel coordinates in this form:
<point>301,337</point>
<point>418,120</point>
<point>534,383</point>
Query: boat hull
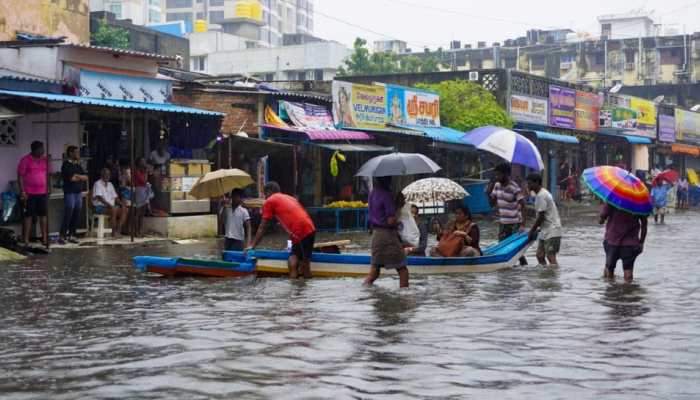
<point>500,256</point>
<point>190,267</point>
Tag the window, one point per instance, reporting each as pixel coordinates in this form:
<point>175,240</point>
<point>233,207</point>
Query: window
<point>511,62</point>
<point>318,74</point>
<point>116,9</point>
<point>198,63</point>
<point>154,3</point>
<point>670,56</point>
<point>8,132</point>
<point>216,3</point>
<point>629,55</point>
<point>599,58</point>
<point>269,77</point>
<point>216,16</point>
<point>538,61</point>
<point>187,17</point>
<point>606,30</point>
<point>178,3</point>
<point>153,16</point>
<point>200,15</point>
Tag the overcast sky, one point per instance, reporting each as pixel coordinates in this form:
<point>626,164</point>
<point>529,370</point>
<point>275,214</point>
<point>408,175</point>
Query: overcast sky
<point>434,23</point>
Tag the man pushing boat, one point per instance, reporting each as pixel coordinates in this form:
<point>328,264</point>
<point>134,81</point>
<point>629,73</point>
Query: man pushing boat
<point>296,221</point>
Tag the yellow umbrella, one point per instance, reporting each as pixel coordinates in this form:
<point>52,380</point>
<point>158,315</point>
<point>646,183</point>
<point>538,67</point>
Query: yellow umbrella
<point>219,182</point>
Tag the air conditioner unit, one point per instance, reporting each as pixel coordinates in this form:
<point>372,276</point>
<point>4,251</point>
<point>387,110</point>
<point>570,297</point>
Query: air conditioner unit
<point>473,75</point>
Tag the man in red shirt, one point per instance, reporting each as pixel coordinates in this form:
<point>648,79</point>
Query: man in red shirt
<point>296,221</point>
<point>32,175</point>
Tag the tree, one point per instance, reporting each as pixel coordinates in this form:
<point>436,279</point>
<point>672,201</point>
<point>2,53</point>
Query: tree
<point>362,62</point>
<point>466,105</point>
<point>110,36</point>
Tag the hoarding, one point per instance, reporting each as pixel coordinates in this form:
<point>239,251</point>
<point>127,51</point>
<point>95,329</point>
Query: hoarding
<point>562,107</point>
<point>667,128</point>
<point>646,113</point>
<point>687,126</point>
<point>405,106</point>
<point>529,109</point>
<point>311,116</point>
<point>359,106</point>
<point>123,87</point>
<point>587,111</point>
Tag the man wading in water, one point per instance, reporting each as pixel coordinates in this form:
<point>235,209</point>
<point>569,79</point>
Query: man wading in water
<point>625,234</point>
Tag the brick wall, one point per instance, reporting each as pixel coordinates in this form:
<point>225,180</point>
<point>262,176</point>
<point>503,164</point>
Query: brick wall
<point>238,107</point>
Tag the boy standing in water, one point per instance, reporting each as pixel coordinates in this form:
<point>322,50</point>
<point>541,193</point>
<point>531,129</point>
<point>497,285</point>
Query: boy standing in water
<point>237,223</point>
<point>659,196</point>
<point>547,227</point>
<point>625,234</point>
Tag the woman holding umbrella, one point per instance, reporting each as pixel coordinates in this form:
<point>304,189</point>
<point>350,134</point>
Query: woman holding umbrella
<point>628,204</point>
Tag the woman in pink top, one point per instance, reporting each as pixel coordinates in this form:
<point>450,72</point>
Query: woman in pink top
<point>32,175</point>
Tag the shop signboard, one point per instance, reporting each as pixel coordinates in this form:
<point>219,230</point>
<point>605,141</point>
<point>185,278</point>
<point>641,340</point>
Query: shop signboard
<point>529,109</point>
<point>687,126</point>
<point>667,128</point>
<point>562,107</point>
<point>413,107</point>
<point>359,106</point>
<point>124,87</point>
<point>646,114</point>
<point>587,111</point>
<point>311,116</point>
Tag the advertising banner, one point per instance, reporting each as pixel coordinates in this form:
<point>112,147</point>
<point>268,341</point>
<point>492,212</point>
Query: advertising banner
<point>562,107</point>
<point>359,106</point>
<point>311,116</point>
<point>667,128</point>
<point>646,113</point>
<point>587,111</point>
<point>122,87</point>
<point>412,107</point>
<point>687,126</point>
<point>529,109</point>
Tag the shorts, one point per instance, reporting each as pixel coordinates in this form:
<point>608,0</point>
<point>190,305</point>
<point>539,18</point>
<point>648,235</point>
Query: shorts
<point>660,211</point>
<point>628,255</point>
<point>507,230</point>
<point>305,247</point>
<point>231,244</point>
<point>36,205</point>
<point>100,209</point>
<point>549,246</point>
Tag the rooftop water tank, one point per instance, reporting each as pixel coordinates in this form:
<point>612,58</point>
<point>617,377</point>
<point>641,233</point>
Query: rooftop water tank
<point>200,25</point>
<point>249,9</point>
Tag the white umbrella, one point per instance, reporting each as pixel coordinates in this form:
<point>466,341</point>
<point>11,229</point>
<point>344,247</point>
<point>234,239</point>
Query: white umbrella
<point>434,189</point>
<point>508,145</point>
<point>398,164</point>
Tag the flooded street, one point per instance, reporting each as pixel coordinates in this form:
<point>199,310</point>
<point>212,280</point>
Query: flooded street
<point>85,324</point>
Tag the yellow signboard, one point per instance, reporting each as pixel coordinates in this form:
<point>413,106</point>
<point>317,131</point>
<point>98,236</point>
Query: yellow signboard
<point>646,113</point>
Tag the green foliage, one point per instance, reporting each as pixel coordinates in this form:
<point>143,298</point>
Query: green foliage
<point>466,105</point>
<point>362,62</point>
<point>110,36</point>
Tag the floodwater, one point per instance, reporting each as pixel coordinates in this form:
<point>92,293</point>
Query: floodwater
<point>84,324</point>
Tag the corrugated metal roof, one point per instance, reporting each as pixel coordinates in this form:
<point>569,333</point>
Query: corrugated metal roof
<point>125,52</point>
<point>6,73</point>
<point>63,98</point>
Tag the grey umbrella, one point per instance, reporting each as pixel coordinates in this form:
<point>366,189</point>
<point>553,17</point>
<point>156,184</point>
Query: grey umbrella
<point>398,164</point>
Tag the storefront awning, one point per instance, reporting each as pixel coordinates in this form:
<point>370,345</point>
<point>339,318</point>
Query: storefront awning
<point>685,149</point>
<point>367,148</point>
<point>340,134</point>
<point>257,148</point>
<point>439,134</point>
<point>630,138</point>
<point>554,137</point>
<point>133,105</point>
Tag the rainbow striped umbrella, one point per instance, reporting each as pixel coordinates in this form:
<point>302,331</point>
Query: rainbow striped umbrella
<point>619,188</point>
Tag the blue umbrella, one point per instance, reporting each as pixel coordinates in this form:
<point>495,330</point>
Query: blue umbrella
<point>508,145</point>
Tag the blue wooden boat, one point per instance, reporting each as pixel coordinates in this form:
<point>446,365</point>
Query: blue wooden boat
<point>179,266</point>
<point>499,256</point>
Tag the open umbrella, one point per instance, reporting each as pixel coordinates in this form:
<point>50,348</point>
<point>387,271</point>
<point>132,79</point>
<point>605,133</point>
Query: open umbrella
<point>219,182</point>
<point>510,146</point>
<point>398,164</point>
<point>669,176</point>
<point>434,189</point>
<point>619,188</point>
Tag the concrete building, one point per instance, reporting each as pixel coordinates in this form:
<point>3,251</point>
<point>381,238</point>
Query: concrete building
<point>51,18</point>
<point>308,61</point>
<point>638,23</point>
<point>279,17</point>
<point>390,46</point>
<point>140,12</point>
<point>144,39</point>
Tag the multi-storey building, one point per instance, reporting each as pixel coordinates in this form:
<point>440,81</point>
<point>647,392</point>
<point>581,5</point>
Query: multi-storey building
<point>140,12</point>
<point>279,17</point>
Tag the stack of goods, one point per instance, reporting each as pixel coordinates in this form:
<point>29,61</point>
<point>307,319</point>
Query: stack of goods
<point>346,204</point>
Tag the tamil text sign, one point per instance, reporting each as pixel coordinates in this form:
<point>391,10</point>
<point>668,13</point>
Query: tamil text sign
<point>667,128</point>
<point>587,111</point>
<point>529,109</point>
<point>359,106</point>
<point>687,126</point>
<point>412,107</point>
<point>562,107</point>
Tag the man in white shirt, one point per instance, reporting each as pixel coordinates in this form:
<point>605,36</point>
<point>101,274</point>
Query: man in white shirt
<point>237,223</point>
<point>106,201</point>
<point>548,222</point>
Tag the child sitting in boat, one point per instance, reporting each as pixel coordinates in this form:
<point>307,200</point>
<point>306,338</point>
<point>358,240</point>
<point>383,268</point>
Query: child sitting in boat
<point>460,237</point>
